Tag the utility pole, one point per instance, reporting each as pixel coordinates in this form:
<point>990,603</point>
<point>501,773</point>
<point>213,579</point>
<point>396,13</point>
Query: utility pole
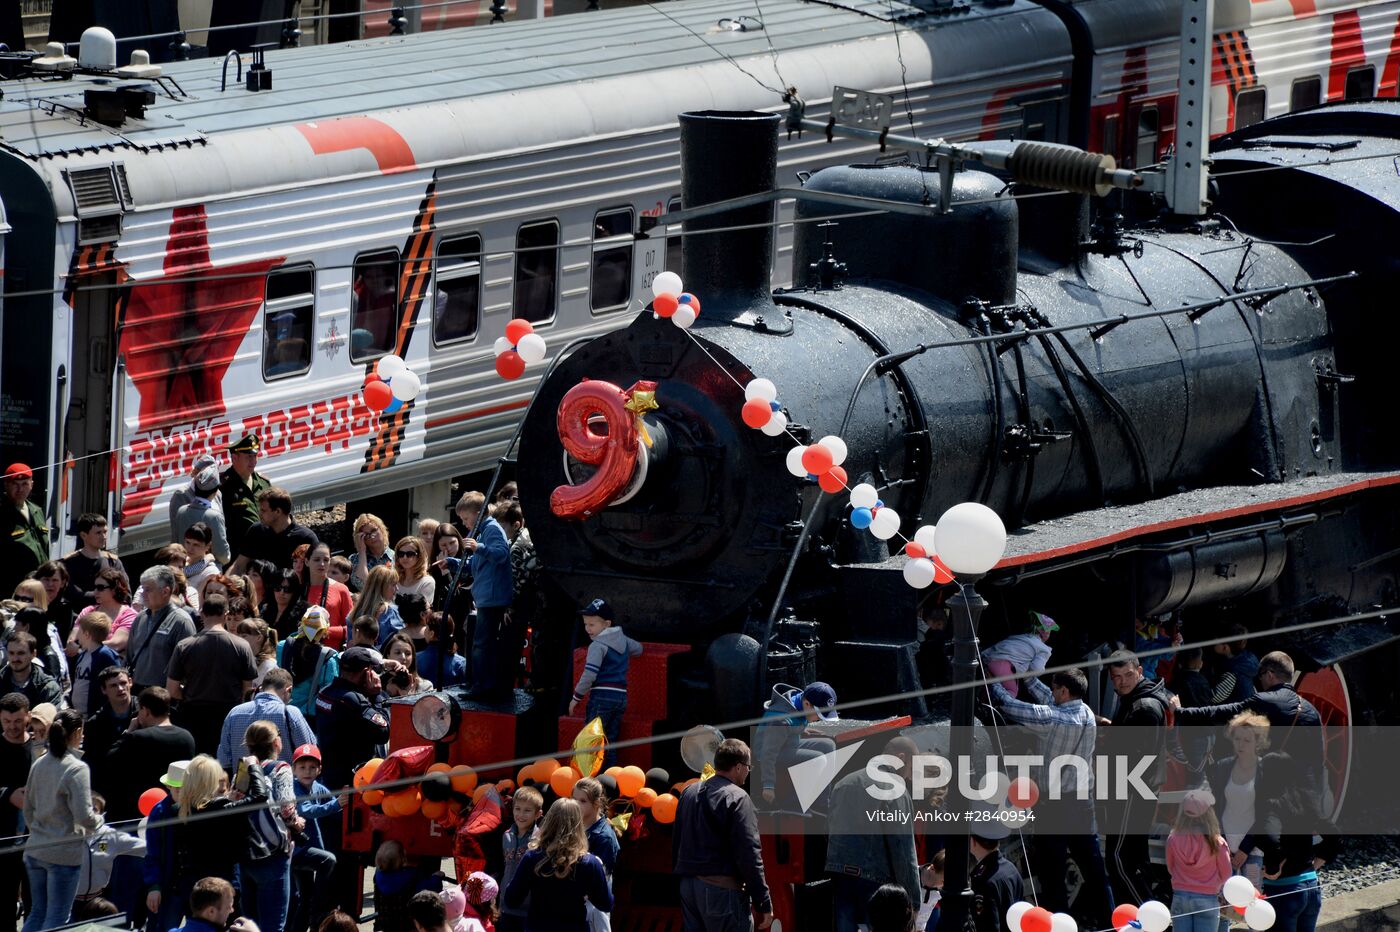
<point>1186,172</point>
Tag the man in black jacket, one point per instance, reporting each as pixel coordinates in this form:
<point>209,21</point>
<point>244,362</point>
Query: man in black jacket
<point>139,758</point>
<point>995,881</point>
<point>23,676</point>
<point>351,721</point>
<point>14,775</point>
<point>104,727</point>
<point>716,849</point>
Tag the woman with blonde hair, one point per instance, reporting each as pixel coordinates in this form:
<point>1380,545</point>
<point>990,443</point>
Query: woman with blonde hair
<point>412,563</point>
<point>372,549</point>
<point>377,602</point>
<point>1235,780</point>
<point>209,843</point>
<point>558,875</point>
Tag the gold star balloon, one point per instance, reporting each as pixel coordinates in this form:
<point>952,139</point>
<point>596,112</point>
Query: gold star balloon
<point>588,748</point>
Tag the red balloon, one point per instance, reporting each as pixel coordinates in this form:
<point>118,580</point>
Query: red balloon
<point>941,574</point>
<point>817,460</point>
<point>517,329</point>
<point>378,395</point>
<point>614,453</point>
<point>149,800</point>
<point>665,304</point>
<point>1037,919</point>
<point>915,551</point>
<point>757,412</point>
<point>834,480</point>
<point>693,301</point>
<point>1024,793</point>
<point>509,365</point>
<point>1124,914</point>
<point>1240,909</point>
<point>373,377</point>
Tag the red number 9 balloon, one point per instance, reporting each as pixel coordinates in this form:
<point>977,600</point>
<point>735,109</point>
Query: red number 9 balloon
<point>614,454</point>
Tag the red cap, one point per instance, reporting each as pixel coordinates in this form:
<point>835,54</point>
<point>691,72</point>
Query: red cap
<point>18,471</point>
<point>307,750</point>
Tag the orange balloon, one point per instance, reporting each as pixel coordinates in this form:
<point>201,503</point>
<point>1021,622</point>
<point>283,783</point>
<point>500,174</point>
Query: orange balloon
<point>464,779</point>
<point>433,810</point>
<point>526,773</point>
<point>505,786</point>
<point>543,769</point>
<point>440,768</point>
<point>405,802</point>
<point>367,771</point>
<point>374,797</point>
<point>664,809</point>
<point>612,772</point>
<point>563,780</point>
<point>631,780</point>
<point>480,792</point>
<point>645,797</point>
<point>389,804</point>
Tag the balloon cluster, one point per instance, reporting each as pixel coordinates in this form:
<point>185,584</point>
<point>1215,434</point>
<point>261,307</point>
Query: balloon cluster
<point>520,345</point>
<point>762,410</point>
<point>1258,912</point>
<point>671,300</point>
<point>431,798</point>
<point>1023,917</point>
<point>1152,916</point>
<point>821,461</point>
<point>391,385</point>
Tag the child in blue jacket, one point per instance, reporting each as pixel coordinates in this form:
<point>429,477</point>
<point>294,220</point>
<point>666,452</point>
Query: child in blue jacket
<point>313,865</point>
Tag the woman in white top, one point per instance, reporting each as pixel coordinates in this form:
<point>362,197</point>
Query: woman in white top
<point>410,561</point>
<point>1233,782</point>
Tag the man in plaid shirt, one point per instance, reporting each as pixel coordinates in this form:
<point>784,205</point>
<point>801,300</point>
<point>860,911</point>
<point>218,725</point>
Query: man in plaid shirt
<point>1066,726</point>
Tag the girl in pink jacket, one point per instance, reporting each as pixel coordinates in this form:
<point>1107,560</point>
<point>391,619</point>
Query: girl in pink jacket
<point>1199,863</point>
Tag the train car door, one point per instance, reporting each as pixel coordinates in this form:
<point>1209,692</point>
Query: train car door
<point>92,427</point>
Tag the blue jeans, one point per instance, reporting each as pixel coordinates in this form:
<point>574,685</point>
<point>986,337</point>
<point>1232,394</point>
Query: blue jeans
<point>852,901</point>
<point>267,888</point>
<point>52,888</point>
<point>312,888</point>
<point>609,706</point>
<point>1204,910</point>
<point>706,907</point>
<point>1296,905</point>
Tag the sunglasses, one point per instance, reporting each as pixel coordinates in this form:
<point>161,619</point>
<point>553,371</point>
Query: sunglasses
<point>407,553</point>
<point>23,598</point>
<point>101,588</point>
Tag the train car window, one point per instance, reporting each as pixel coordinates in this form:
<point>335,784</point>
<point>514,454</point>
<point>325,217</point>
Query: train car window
<point>1148,129</point>
<point>1306,92</point>
<point>289,320</point>
<point>673,240</point>
<point>611,287</point>
<point>374,298</point>
<point>1250,106</point>
<point>537,270</point>
<point>457,298</point>
<point>1361,83</point>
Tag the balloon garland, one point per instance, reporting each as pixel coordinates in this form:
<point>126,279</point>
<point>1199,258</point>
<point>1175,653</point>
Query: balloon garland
<point>391,385</point>
<point>520,346</point>
<point>671,301</point>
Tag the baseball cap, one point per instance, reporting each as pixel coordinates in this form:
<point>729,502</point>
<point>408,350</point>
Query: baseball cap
<point>203,461</point>
<point>823,698</point>
<point>248,443</point>
<point>361,658</point>
<point>18,471</point>
<point>1197,802</point>
<point>207,480</point>
<point>307,750</point>
<point>599,607</point>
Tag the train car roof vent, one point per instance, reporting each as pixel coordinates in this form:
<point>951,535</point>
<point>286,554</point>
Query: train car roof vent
<point>97,49</point>
<point>140,66</point>
<point>112,106</point>
<point>54,59</point>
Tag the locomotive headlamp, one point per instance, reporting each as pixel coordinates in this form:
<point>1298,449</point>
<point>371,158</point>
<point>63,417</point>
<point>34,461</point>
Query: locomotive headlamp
<point>970,539</point>
<point>436,716</point>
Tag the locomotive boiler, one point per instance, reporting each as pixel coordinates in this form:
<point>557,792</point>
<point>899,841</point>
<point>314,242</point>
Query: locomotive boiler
<point>1155,411</point>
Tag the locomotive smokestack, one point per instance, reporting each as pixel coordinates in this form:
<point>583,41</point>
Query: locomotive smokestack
<point>725,155</point>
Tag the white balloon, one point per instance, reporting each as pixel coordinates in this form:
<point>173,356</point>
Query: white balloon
<point>1014,914</point>
<point>886,523</point>
<point>684,317</point>
<point>667,283</point>
<point>761,388</point>
<point>776,425</point>
<point>502,345</point>
<point>1239,891</point>
<point>406,385</point>
<point>1063,922</point>
<point>919,573</point>
<point>993,787</point>
<point>531,347</point>
<point>971,539</point>
<point>924,538</point>
<point>837,446</point>
<point>864,496</point>
<point>794,462</point>
<point>390,366</point>
<point>1260,915</point>
<point>1154,916</point>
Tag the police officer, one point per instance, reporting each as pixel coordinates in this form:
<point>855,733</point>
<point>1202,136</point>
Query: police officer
<point>351,721</point>
<point>239,486</point>
<point>24,531</point>
<point>995,881</point>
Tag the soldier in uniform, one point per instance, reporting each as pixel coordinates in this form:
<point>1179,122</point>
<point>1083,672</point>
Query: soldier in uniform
<point>239,486</point>
<point>24,531</point>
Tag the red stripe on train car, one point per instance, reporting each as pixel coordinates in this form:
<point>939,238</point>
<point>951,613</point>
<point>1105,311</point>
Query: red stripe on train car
<point>461,416</point>
<point>1348,51</point>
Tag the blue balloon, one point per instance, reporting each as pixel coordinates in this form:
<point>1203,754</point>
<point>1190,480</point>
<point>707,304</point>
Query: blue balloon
<point>394,405</point>
<point>775,406</point>
<point>879,503</point>
<point>861,518</point>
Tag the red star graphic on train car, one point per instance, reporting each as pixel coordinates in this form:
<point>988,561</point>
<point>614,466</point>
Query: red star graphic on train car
<point>180,332</point>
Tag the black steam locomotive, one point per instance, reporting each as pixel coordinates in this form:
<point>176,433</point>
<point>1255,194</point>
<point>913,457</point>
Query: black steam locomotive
<point>1175,416</point>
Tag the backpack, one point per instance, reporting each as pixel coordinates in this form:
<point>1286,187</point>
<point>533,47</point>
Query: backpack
<point>267,833</point>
